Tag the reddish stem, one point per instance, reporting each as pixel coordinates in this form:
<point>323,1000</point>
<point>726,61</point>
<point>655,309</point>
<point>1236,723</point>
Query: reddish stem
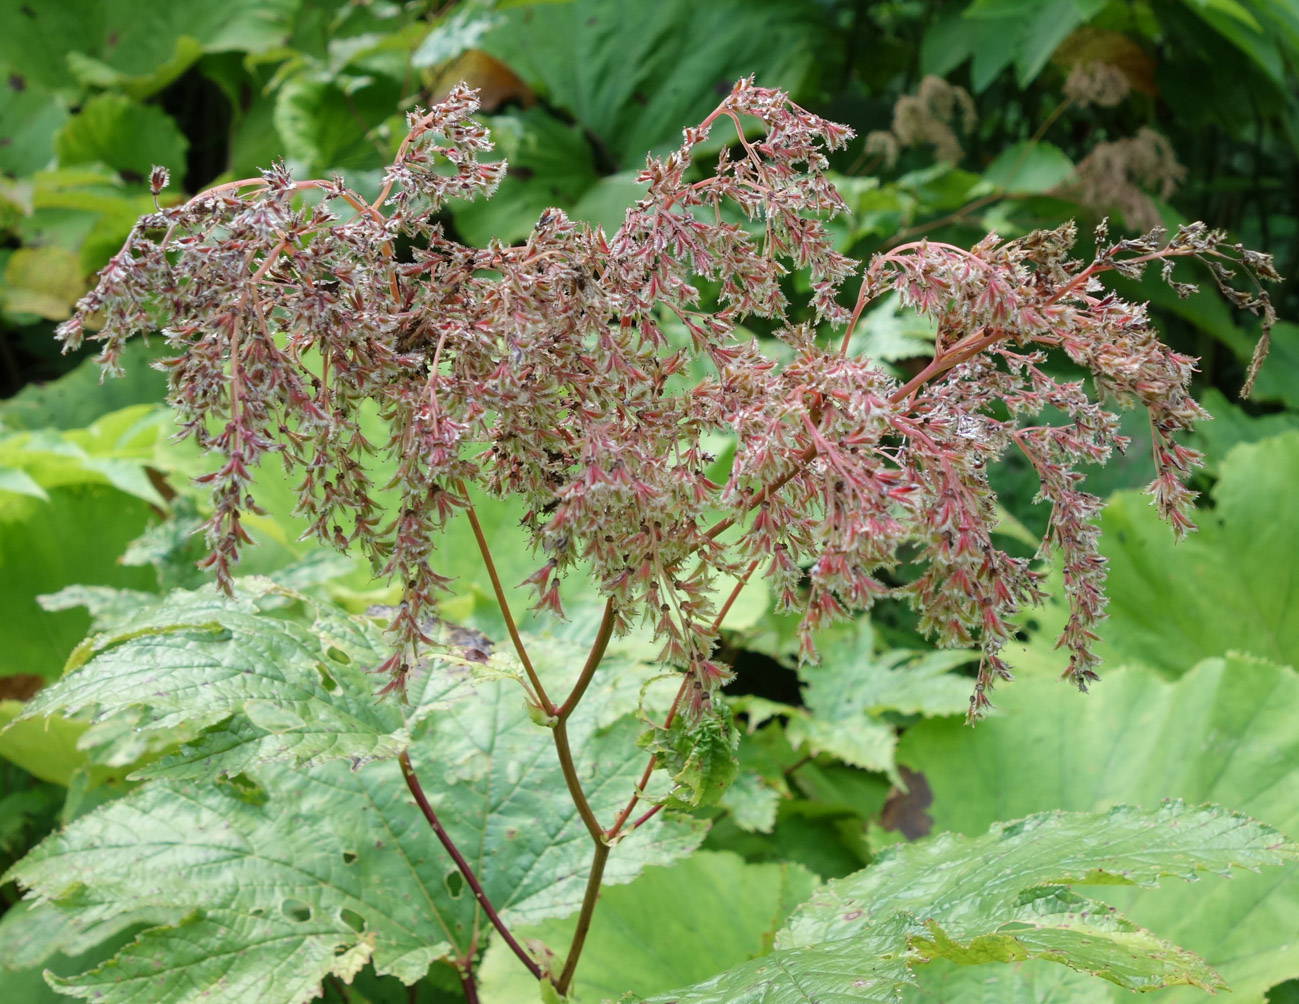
<point>444,838</point>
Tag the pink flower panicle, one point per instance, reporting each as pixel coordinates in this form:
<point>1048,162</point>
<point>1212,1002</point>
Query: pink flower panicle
<point>584,372</point>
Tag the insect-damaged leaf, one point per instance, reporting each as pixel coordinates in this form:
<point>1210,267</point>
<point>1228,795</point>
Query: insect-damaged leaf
<point>317,863</point>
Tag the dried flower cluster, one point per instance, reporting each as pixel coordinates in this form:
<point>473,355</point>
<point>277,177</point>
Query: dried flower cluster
<point>937,115</point>
<point>1096,83</point>
<point>1117,174</point>
<point>547,372</point>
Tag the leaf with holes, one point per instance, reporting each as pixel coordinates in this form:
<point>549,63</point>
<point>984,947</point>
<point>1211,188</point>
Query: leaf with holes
<point>285,875</point>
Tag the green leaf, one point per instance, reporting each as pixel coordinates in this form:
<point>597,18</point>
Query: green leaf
<point>278,689</point>
<point>29,118</point>
<point>47,749</point>
<point>633,74</point>
<point>45,281</point>
<point>853,678</point>
<point>37,38</point>
<point>318,126</point>
<point>698,756</point>
<point>1048,25</point>
<point>846,696</point>
<point>75,535</point>
<point>1234,22</point>
<point>127,136</point>
<point>326,866</point>
<point>1029,168</point>
<point>868,969</point>
<point>1053,923</point>
<point>1003,895</point>
<point>606,204</point>
<point>671,925</point>
<point>1232,425</point>
<point>126,46</point>
<point>18,481</point>
<point>1227,587</point>
<point>78,398</point>
<point>889,332</point>
<point>967,883</point>
<point>58,953</point>
<point>1223,732</point>
<point>752,802</point>
<point>459,31</point>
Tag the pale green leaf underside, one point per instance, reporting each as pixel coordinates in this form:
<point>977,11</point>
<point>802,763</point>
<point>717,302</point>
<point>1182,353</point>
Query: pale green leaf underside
<point>1054,924</point>
<point>966,882</point>
<point>1001,897</point>
<point>871,969</point>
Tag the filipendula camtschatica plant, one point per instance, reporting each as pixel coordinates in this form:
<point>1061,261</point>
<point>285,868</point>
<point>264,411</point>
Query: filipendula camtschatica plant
<point>547,373</point>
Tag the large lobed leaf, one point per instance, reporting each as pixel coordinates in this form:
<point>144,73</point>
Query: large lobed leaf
<point>70,501</point>
<point>1223,732</point>
<point>847,694</point>
<point>281,873</point>
<point>635,72</point>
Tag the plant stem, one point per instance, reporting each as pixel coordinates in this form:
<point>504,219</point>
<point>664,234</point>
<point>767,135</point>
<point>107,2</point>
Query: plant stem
<point>412,782</point>
<point>646,817</point>
<point>563,748</point>
<point>467,984</point>
<point>546,705</point>
<point>672,712</point>
<point>602,636</point>
<point>565,754</point>
<point>593,881</point>
<point>569,769</point>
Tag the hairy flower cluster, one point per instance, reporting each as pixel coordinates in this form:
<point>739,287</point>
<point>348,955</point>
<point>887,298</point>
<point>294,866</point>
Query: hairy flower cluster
<point>583,373</point>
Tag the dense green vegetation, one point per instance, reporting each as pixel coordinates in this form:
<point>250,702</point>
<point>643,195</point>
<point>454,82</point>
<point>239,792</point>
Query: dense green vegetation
<point>205,827</point>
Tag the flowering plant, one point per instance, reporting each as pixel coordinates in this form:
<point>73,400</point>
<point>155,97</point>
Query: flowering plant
<point>589,375</point>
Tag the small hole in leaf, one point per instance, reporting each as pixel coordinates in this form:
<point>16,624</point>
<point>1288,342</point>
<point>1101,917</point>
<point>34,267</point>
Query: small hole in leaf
<point>244,788</point>
<point>257,911</point>
<point>326,681</point>
<point>348,857</point>
<point>455,883</point>
<point>338,655</point>
<point>295,909</point>
<point>353,920</point>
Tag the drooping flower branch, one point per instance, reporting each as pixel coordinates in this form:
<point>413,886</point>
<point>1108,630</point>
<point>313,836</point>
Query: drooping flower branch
<point>583,373</point>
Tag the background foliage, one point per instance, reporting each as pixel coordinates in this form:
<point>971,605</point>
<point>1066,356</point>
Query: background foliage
<point>840,761</point>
